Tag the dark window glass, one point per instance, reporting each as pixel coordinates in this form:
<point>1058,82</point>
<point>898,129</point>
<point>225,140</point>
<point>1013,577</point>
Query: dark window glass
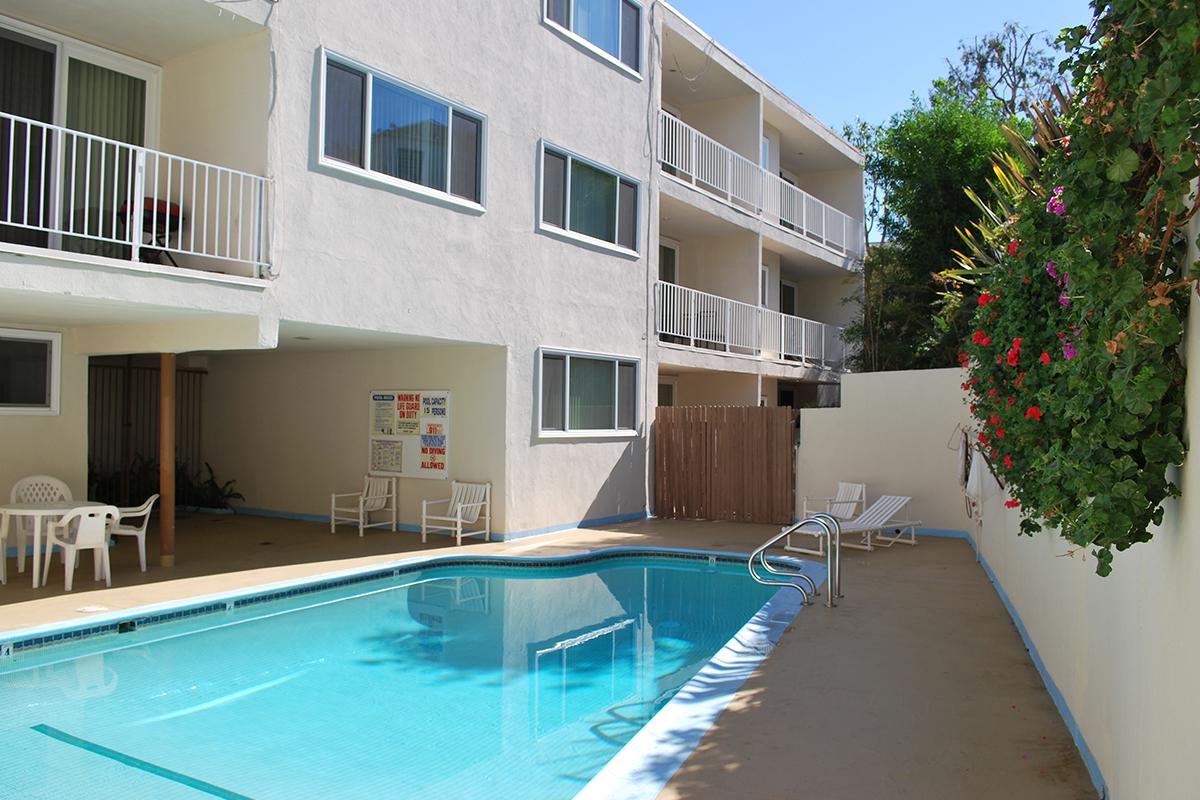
<point>626,395</point>
<point>630,34</point>
<point>408,135</point>
<point>558,10</point>
<point>554,189</point>
<point>25,372</point>
<point>553,389</point>
<point>344,99</point>
<point>593,202</point>
<point>465,157</point>
<point>627,215</point>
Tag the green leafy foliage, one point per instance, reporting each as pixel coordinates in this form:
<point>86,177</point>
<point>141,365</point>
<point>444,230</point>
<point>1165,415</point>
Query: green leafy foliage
<point>1075,377</point>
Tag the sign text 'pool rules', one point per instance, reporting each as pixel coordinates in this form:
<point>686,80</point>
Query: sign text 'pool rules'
<point>410,433</point>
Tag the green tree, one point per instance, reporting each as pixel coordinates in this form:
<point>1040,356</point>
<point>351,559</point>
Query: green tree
<point>917,166</point>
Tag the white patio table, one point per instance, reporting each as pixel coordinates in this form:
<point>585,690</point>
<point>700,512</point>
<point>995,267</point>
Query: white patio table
<point>39,513</point>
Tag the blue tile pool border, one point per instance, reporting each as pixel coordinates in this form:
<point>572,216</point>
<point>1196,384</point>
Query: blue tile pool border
<point>25,639</point>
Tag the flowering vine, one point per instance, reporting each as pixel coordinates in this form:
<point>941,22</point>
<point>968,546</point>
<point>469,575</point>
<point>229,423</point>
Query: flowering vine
<point>1074,374</point>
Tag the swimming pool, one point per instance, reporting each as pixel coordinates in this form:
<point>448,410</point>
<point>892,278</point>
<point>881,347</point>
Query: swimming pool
<point>458,679</point>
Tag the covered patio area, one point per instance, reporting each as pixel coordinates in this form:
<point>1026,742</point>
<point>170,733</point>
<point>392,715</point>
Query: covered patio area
<point>916,685</point>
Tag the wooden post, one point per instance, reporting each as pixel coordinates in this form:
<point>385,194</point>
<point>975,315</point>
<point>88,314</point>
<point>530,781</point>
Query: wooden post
<point>166,460</point>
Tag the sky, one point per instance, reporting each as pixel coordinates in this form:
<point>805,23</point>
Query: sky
<point>862,58</point>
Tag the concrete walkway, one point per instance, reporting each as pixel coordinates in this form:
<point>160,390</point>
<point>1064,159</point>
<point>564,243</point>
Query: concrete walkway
<point>916,686</point>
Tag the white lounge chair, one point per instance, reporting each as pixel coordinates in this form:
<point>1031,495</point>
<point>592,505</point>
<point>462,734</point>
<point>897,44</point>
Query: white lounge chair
<point>34,489</point>
<point>878,517</point>
<point>845,506</point>
<point>139,529</point>
<point>378,494</point>
<point>467,503</point>
<point>83,528</point>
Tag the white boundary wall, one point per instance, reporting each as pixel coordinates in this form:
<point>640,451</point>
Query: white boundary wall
<point>1119,653</point>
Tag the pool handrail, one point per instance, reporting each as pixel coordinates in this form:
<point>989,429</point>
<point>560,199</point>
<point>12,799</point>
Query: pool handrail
<point>832,530</point>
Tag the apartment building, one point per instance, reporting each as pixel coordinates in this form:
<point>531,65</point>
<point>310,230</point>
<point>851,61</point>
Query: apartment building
<point>555,215</point>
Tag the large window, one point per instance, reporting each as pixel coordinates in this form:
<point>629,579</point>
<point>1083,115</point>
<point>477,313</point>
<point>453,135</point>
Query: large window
<point>29,365</point>
<point>583,393</point>
<point>386,127</point>
<point>587,199</point>
<point>613,27</point>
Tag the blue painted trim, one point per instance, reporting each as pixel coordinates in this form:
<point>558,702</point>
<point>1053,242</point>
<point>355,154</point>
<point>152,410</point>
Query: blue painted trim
<point>593,522</point>
<point>1060,702</point>
<point>137,763</point>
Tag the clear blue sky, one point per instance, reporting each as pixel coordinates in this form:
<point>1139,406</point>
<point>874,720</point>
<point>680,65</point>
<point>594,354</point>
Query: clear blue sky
<point>846,58</point>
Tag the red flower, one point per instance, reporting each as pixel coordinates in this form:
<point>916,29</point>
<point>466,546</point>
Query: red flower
<point>972,408</point>
<point>994,419</point>
<point>1008,462</point>
<point>987,297</point>
<point>1012,504</point>
<point>983,438</point>
<point>982,339</point>
<point>1044,357</point>
<point>1034,413</point>
<point>1013,357</point>
<point>991,392</point>
<point>1012,247</point>
<point>1011,400</point>
<point>999,433</point>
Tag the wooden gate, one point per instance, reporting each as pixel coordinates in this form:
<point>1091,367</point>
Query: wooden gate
<point>724,463</point>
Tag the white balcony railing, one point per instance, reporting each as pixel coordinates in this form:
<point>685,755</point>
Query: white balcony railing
<point>73,191</point>
<point>706,321</point>
<point>741,182</point>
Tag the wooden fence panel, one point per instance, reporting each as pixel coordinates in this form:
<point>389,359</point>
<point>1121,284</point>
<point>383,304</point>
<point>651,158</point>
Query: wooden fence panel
<point>724,463</point>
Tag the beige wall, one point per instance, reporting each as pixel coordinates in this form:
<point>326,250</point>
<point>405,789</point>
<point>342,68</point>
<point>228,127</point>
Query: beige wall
<point>50,445</point>
<point>889,433</point>
<point>726,266</point>
<point>716,389</point>
<point>291,427</point>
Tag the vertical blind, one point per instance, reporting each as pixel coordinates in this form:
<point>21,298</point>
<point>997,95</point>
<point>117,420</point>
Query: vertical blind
<point>588,393</point>
<point>345,97</point>
<point>408,135</point>
<point>588,199</point>
<point>27,90</point>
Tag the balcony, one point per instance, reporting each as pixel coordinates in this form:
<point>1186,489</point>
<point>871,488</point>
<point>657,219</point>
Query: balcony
<point>712,167</point>
<point>709,322</point>
<point>70,191</point>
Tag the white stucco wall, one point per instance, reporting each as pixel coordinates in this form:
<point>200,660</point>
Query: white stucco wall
<point>716,389</point>
<point>1120,651</point>
<point>890,433</point>
<point>39,444</point>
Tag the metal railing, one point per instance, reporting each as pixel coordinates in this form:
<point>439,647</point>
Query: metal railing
<point>68,190</point>
<point>712,166</point>
<point>708,321</point>
<point>831,530</point>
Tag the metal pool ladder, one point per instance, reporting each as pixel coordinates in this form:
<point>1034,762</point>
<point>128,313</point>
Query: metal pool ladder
<point>832,531</point>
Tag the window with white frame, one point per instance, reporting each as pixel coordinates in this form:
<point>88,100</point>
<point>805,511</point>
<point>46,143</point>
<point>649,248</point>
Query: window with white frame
<point>612,26</point>
<point>29,371</point>
<point>585,198</point>
<point>585,393</point>
<point>384,126</point>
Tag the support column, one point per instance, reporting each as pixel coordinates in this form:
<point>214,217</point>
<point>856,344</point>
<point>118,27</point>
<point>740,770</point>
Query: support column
<point>166,460</point>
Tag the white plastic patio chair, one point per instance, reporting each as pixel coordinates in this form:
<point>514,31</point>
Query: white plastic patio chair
<point>378,494</point>
<point>878,517</point>
<point>34,489</point>
<point>467,503</point>
<point>138,529</point>
<point>83,528</point>
<point>845,505</point>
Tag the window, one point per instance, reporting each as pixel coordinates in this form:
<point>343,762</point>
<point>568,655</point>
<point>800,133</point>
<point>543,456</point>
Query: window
<point>587,199</point>
<point>614,27</point>
<point>385,127</point>
<point>29,365</point>
<point>583,393</point>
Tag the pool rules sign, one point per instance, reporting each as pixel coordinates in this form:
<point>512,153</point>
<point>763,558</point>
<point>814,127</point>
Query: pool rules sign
<point>410,431</point>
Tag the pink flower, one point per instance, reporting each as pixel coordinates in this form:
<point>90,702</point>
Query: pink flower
<point>1068,350</point>
<point>1055,204</point>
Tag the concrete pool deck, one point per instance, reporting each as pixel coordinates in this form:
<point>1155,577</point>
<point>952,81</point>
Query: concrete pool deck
<point>916,686</point>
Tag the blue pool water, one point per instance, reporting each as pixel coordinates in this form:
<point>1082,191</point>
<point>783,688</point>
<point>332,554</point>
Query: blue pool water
<point>451,682</point>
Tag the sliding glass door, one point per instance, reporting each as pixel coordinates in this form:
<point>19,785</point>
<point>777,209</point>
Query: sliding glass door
<point>26,90</point>
<point>69,190</point>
